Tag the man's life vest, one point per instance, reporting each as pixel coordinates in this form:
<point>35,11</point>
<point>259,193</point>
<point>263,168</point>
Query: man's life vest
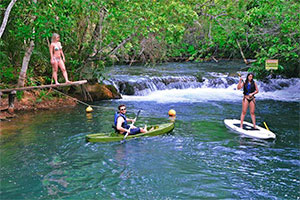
<point>249,88</point>
<point>124,124</point>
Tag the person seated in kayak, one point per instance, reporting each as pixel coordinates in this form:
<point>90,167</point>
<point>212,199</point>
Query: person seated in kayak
<point>250,89</point>
<point>121,123</point>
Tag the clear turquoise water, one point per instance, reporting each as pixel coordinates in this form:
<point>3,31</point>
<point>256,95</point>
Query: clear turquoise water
<point>44,154</point>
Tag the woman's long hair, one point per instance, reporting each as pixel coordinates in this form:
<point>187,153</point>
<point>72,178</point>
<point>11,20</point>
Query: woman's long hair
<point>247,80</point>
<point>54,36</point>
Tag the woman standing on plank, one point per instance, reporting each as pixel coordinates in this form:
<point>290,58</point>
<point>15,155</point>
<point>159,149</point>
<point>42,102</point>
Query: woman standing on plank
<point>57,58</point>
<point>250,89</point>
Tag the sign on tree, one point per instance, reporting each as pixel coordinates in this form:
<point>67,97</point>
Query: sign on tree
<point>272,64</point>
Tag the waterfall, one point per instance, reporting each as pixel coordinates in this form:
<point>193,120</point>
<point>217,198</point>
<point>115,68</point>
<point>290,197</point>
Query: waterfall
<point>215,86</point>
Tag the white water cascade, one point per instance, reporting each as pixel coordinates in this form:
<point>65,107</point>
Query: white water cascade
<point>214,87</point>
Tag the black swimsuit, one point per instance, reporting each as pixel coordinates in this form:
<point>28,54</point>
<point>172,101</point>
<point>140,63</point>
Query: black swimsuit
<point>249,88</point>
<point>249,100</point>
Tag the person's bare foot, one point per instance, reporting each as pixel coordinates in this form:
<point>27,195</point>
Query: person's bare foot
<point>68,82</point>
<point>151,129</point>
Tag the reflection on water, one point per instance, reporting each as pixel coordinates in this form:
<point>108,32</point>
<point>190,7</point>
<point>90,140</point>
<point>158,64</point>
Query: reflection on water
<point>245,141</point>
<point>55,179</point>
<point>89,117</point>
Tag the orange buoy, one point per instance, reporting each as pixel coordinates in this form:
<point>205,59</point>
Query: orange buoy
<point>172,113</point>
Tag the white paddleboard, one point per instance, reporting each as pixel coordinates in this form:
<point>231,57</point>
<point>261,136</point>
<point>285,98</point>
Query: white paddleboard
<point>248,130</point>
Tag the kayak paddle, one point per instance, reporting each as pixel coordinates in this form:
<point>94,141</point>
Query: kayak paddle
<point>131,125</point>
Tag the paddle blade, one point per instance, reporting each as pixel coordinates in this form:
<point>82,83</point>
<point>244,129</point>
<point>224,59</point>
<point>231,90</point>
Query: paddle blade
<point>131,126</point>
<point>138,114</point>
<point>266,126</point>
<point>126,135</point>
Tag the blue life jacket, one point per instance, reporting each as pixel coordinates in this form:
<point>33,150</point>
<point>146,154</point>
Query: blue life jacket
<point>249,88</point>
<point>124,124</point>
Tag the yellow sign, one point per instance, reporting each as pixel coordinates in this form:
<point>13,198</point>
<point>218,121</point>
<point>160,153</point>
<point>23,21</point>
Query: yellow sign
<point>271,64</point>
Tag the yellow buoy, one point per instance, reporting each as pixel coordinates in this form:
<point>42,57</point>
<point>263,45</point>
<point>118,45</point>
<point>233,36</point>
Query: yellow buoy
<point>172,112</point>
<point>89,109</point>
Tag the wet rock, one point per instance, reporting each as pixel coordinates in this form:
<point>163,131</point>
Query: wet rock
<point>283,84</point>
<point>233,74</point>
<point>231,81</point>
<point>126,88</point>
<point>5,115</point>
<point>271,76</point>
<point>199,77</point>
<point>102,92</point>
<point>97,92</point>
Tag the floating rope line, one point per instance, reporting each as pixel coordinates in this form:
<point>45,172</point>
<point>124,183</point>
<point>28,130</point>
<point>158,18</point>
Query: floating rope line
<point>37,82</point>
<point>76,99</point>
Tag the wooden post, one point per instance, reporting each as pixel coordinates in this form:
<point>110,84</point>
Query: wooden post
<point>11,100</point>
<point>0,98</point>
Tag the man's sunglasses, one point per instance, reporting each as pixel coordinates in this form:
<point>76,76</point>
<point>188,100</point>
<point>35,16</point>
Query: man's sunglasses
<point>123,109</point>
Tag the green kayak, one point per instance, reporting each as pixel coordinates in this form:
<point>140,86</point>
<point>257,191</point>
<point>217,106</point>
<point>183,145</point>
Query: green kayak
<point>112,137</point>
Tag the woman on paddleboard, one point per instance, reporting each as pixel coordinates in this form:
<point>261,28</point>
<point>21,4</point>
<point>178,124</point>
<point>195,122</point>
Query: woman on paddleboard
<point>250,89</point>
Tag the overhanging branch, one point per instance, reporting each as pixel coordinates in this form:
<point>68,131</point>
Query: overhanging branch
<point>6,15</point>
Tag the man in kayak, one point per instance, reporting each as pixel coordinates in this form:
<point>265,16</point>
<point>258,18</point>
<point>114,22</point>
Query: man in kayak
<point>121,123</point>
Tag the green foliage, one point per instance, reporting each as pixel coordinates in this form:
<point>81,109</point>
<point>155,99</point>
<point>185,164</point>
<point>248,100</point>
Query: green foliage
<point>98,33</point>
<point>43,95</point>
<point>7,74</point>
<point>19,95</point>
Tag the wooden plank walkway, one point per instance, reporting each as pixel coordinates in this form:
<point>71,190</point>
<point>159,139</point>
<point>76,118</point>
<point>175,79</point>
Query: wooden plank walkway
<point>12,91</point>
<point>43,86</point>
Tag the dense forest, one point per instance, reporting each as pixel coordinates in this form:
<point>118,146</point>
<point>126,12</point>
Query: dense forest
<point>99,33</point>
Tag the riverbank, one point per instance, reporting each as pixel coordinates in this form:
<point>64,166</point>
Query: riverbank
<point>54,99</point>
<point>32,101</point>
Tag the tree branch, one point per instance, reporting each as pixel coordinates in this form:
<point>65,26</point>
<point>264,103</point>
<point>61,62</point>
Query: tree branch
<point>6,15</point>
<point>97,35</point>
<point>242,53</point>
<point>122,43</point>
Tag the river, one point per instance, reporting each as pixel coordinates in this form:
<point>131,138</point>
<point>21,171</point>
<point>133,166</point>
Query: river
<point>44,154</point>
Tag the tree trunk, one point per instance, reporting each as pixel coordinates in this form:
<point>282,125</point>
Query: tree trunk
<point>97,35</point>
<point>242,53</point>
<point>26,59</point>
<point>6,15</point>
<point>209,31</point>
